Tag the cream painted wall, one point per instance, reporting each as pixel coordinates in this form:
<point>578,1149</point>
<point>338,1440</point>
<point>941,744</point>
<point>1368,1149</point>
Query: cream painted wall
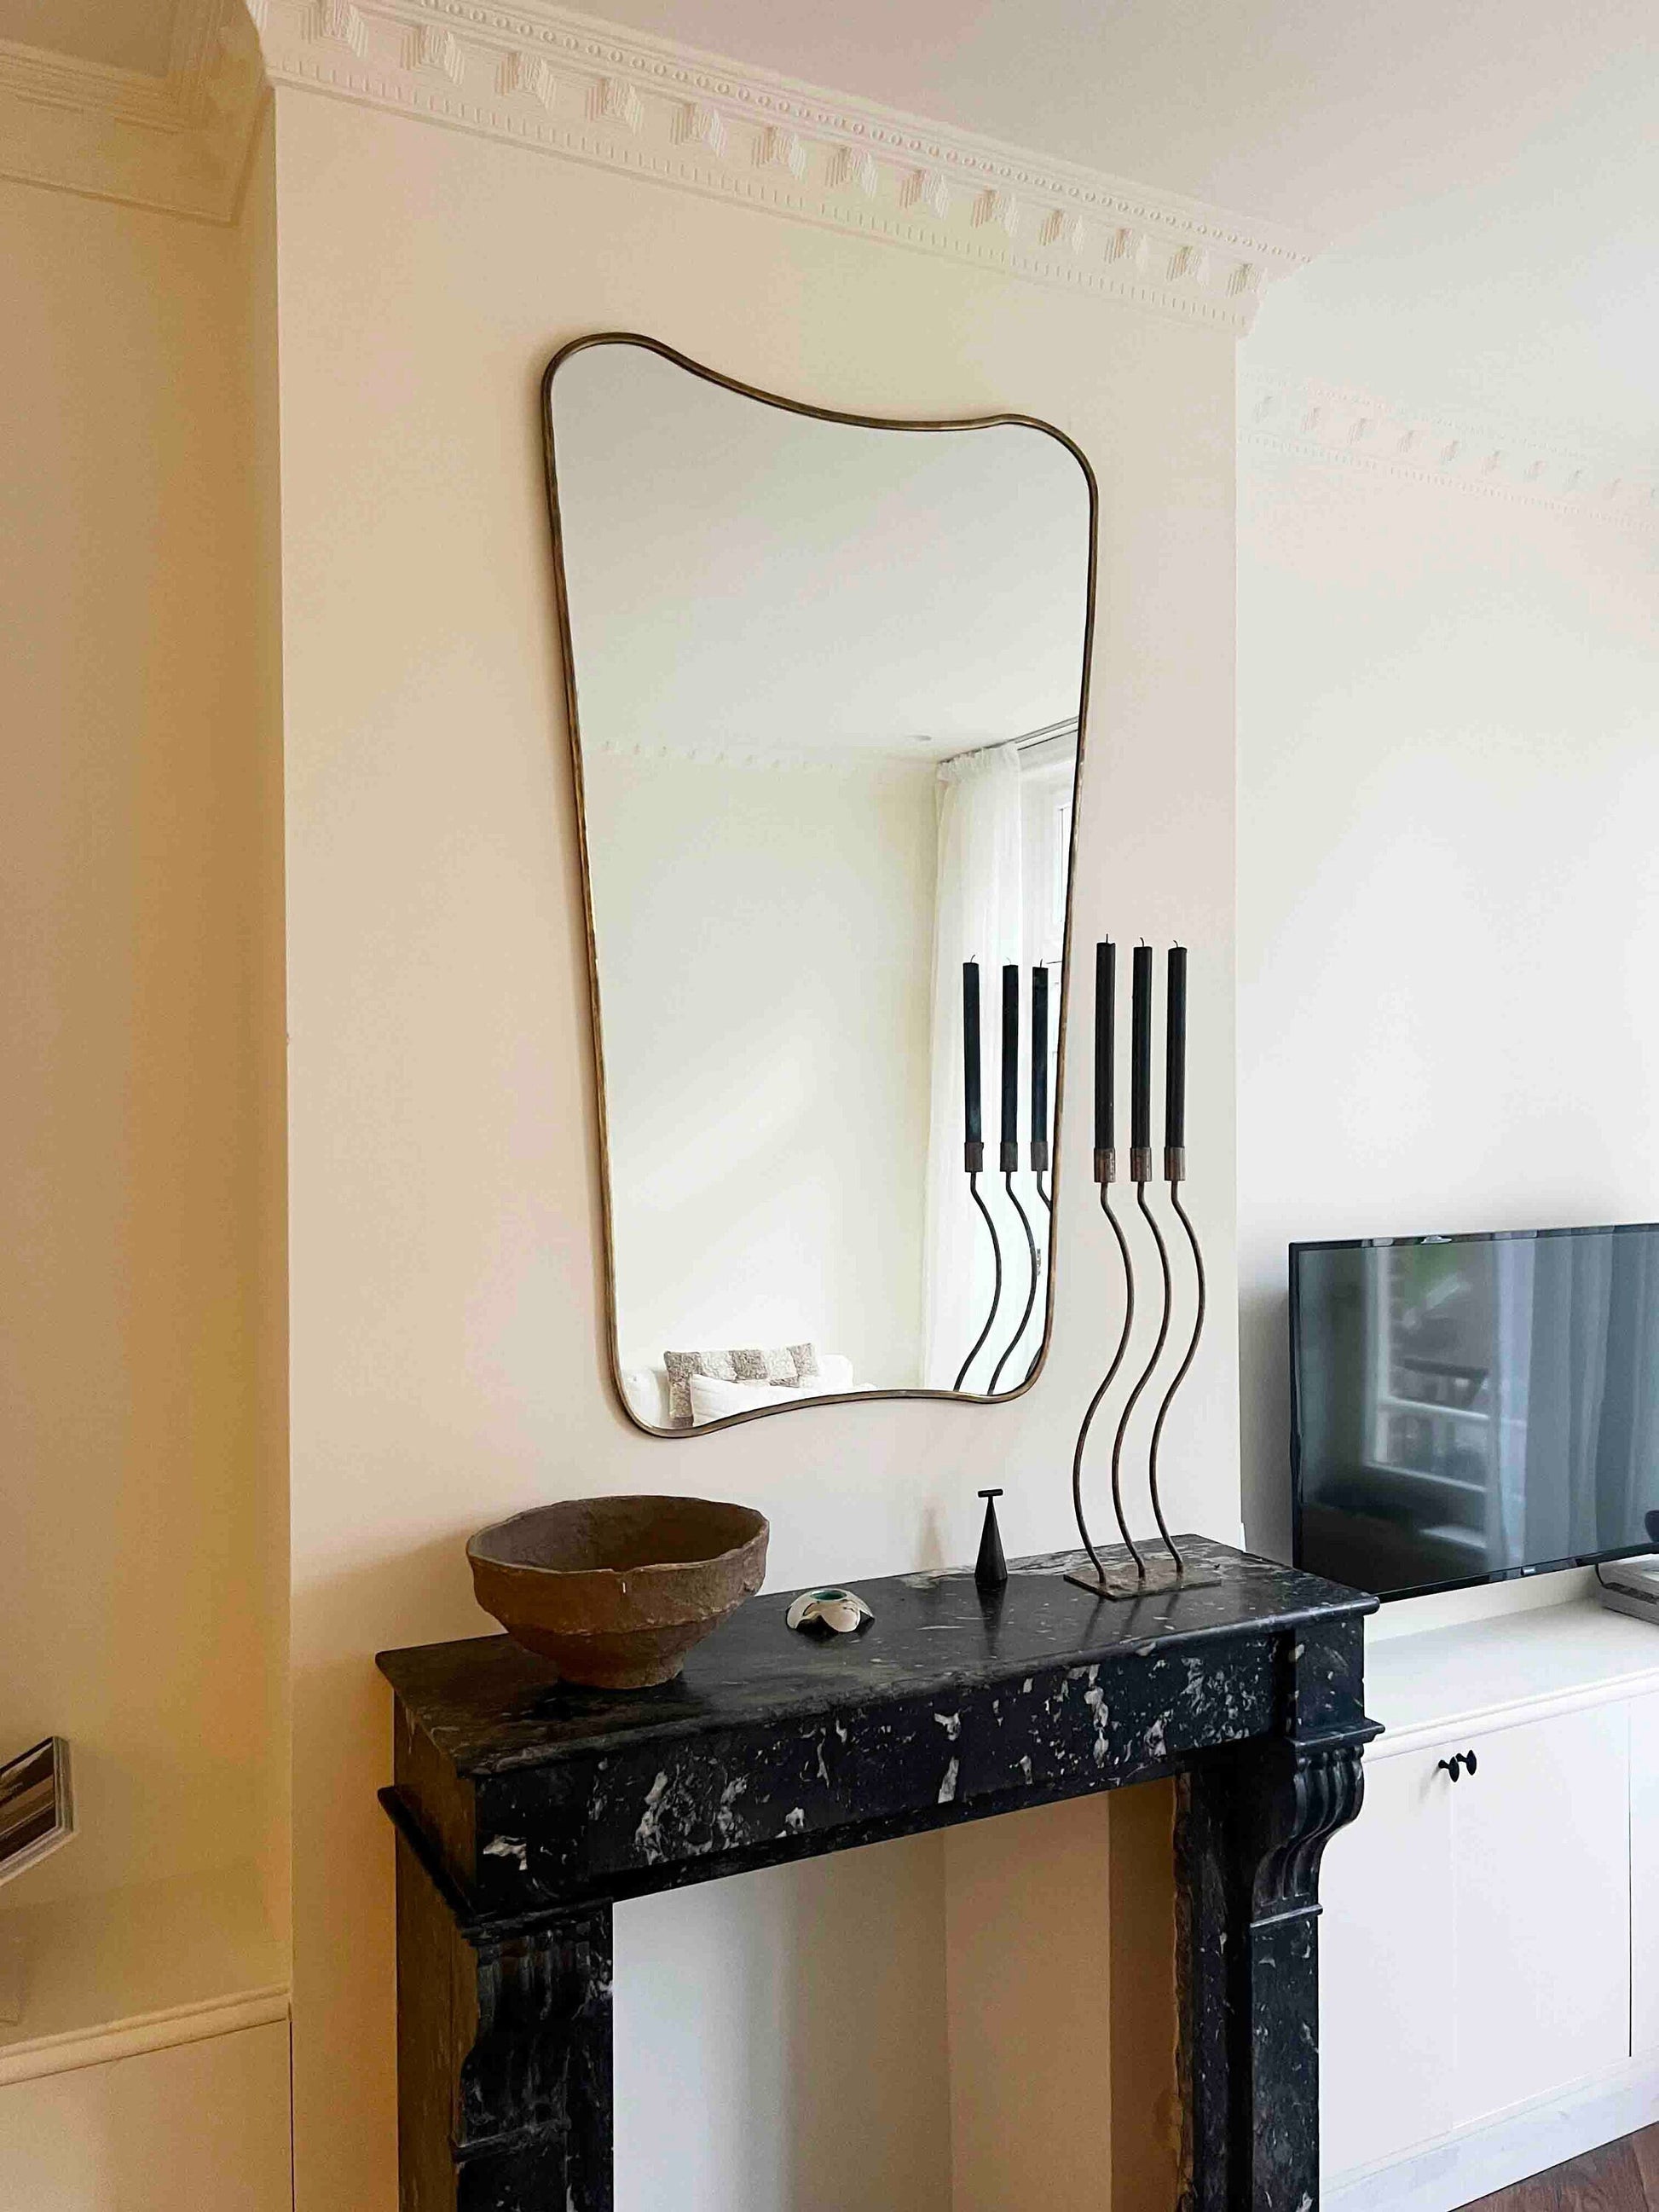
<point>785,2042</point>
<point>766,939</point>
<point>143,1582</point>
<point>198,2124</point>
<point>447,1362</point>
<point>1448,923</point>
<point>264,887</point>
<point>1059,1947</point>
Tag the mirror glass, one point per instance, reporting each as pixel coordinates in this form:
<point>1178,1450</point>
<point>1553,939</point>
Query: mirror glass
<point>826,681</point>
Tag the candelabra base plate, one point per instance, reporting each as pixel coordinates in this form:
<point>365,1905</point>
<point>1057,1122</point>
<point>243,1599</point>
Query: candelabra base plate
<point>1162,1576</point>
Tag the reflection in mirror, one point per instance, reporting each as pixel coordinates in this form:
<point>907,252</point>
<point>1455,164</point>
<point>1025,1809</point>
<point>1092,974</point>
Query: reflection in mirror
<point>826,684</point>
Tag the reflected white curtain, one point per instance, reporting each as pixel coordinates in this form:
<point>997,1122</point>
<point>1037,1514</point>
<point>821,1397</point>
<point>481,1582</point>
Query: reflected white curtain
<point>979,915</point>
<point>1566,1392</point>
<point>1628,1474</point>
<point>1515,1290</point>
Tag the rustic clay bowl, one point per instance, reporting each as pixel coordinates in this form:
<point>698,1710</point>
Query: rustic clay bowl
<point>615,1591</point>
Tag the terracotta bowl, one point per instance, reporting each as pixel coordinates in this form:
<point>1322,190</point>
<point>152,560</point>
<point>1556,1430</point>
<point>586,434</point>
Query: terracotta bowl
<point>615,1591</point>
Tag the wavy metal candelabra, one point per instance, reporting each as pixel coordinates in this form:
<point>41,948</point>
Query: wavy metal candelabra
<point>1105,1176</point>
<point>1008,1167</point>
<point>1049,1204</point>
<point>975,1164</point>
<point>1038,1171</point>
<point>1174,1169</point>
<point>1147,1578</point>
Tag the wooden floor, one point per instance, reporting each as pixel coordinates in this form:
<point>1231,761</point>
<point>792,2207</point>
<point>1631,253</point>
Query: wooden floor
<point>1622,2176</point>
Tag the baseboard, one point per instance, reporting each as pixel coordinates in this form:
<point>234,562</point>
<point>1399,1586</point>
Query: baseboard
<point>120,1972</point>
<point>157,2031</point>
<point>1460,2169</point>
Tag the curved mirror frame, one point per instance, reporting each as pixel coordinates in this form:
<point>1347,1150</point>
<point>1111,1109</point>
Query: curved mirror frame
<point>946,427</point>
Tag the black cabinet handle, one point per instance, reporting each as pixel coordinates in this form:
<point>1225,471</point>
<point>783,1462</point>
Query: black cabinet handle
<point>1454,1766</point>
<point>1471,1762</point>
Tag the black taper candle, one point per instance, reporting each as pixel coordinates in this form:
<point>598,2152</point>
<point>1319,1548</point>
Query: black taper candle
<point>1140,1086</point>
<point>1105,1049</point>
<point>1039,1068</point>
<point>1174,1054</point>
<point>1107,1062</point>
<point>1011,1065</point>
<point>973,1129</point>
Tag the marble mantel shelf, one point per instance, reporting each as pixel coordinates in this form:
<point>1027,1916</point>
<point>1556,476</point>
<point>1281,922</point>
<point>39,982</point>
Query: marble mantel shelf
<point>524,1810</point>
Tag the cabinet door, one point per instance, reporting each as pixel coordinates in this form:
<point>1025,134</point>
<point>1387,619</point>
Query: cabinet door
<point>1541,1856</point>
<point>1387,2046</point>
<point>1644,1876</point>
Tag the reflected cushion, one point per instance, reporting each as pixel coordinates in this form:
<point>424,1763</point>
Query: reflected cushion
<point>788,1365</point>
<point>712,1400</point>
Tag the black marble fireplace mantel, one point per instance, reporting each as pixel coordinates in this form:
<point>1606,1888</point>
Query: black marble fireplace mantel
<point>525,1810</point>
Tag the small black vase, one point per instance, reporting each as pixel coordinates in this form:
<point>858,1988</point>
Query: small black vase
<point>991,1569</point>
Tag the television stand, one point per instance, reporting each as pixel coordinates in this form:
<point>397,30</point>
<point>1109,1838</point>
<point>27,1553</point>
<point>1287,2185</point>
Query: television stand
<point>1491,1932</point>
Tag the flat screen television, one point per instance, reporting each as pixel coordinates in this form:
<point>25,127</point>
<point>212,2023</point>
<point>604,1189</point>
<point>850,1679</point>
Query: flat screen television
<point>1464,1409</point>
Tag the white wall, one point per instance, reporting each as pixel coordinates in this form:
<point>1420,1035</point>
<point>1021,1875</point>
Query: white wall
<point>785,2042</point>
<point>765,940</point>
<point>1449,917</point>
<point>447,1354</point>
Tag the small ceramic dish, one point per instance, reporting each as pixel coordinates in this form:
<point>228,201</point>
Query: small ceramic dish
<point>828,1613</point>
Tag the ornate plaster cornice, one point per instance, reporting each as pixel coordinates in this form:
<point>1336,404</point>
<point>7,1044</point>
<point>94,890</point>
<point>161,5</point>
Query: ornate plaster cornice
<point>1482,455</point>
<point>540,76</point>
<point>178,143</point>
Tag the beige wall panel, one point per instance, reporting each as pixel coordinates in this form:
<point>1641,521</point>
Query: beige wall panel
<point>201,2125</point>
<point>1060,1942</point>
<point>142,1578</point>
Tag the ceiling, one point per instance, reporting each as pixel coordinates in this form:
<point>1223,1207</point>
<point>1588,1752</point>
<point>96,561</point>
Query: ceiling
<point>1528,293</point>
<point>131,34</point>
<point>1488,170</point>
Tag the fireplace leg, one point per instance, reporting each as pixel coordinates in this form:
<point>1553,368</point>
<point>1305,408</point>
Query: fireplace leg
<point>504,2083</point>
<point>1252,1828</point>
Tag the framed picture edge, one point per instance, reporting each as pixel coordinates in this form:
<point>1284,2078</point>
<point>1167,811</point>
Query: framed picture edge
<point>16,1856</point>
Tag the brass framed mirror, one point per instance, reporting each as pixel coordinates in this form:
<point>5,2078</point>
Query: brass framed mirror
<point>827,678</point>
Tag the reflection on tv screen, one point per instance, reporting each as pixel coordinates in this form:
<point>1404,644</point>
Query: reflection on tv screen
<point>1473,1407</point>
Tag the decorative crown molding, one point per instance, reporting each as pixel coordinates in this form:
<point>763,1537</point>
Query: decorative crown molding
<point>177,143</point>
<point>538,74</point>
<point>1482,455</point>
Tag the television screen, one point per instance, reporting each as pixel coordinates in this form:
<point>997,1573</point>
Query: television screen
<point>1469,1407</point>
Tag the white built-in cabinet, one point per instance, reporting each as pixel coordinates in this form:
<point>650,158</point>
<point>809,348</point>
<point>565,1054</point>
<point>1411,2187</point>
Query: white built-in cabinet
<point>1540,1885</point>
<point>1645,1876</point>
<point>1385,1969</point>
<point>1489,1948</point>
